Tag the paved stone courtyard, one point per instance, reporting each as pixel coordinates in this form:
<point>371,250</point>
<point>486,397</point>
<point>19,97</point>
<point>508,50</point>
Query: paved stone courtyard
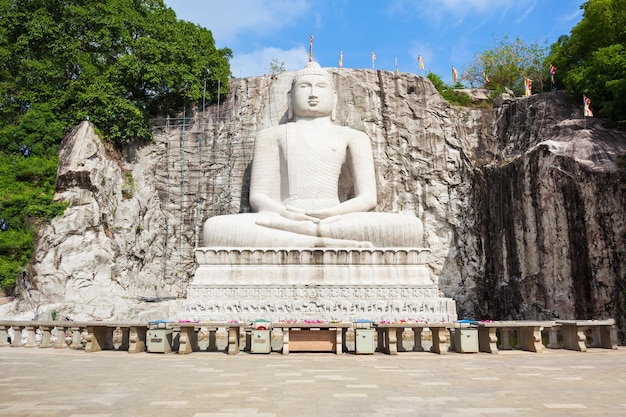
<point>49,382</point>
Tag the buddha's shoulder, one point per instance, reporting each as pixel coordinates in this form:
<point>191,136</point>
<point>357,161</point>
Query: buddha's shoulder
<point>351,132</point>
<point>272,132</point>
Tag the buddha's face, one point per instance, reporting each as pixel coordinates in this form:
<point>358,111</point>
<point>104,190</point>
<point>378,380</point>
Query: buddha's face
<point>312,96</point>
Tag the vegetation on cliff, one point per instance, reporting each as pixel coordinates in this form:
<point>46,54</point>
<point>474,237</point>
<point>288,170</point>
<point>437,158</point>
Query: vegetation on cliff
<point>507,64</point>
<point>591,60</point>
<point>114,62</point>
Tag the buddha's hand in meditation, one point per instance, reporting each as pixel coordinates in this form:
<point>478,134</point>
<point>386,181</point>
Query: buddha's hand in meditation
<point>323,214</point>
<point>296,213</point>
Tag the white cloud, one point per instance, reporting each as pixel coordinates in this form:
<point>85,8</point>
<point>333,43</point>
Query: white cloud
<point>258,62</point>
<point>454,12</point>
<point>228,18</point>
<point>571,18</point>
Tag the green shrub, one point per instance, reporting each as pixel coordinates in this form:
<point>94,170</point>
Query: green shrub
<point>26,192</point>
<point>448,93</point>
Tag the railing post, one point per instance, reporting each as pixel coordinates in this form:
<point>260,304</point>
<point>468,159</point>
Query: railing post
<point>46,336</point>
<point>76,338</point>
<point>16,341</point>
<point>4,335</point>
<point>31,336</point>
<point>60,342</point>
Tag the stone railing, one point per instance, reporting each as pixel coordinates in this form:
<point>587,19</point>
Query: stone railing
<point>88,336</point>
<point>230,337</point>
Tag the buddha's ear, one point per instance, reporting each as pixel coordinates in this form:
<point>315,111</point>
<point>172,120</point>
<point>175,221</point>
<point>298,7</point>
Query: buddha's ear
<point>333,112</point>
<point>289,107</point>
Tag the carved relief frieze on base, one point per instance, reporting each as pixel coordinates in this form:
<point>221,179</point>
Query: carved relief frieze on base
<point>325,303</point>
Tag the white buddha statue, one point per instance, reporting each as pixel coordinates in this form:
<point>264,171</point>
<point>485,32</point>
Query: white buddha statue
<point>294,189</point>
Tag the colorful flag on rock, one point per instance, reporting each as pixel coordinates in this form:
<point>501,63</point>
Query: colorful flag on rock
<point>552,72</point>
<point>528,87</point>
<point>586,109</point>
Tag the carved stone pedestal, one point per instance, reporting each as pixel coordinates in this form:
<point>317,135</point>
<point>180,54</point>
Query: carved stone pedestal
<point>329,284</point>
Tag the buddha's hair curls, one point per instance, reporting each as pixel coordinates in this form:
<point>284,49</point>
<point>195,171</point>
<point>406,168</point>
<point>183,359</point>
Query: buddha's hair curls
<point>312,68</point>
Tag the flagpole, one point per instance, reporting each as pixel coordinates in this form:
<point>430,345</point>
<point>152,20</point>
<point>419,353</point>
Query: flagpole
<point>552,72</point>
<point>585,111</point>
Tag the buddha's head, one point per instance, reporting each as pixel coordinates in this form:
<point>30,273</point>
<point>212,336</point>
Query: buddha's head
<point>312,93</point>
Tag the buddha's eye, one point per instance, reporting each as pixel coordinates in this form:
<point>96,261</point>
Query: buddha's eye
<point>321,85</point>
<point>305,85</point>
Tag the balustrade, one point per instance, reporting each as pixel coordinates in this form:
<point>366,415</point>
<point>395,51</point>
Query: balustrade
<point>493,336</point>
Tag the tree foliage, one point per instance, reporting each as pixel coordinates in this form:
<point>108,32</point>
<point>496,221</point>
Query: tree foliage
<point>592,59</point>
<point>276,66</point>
<point>26,191</point>
<point>507,64</point>
<point>115,62</point>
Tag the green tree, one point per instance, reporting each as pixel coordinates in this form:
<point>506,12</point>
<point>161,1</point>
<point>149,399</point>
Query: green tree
<point>114,61</point>
<point>508,64</point>
<point>592,59</point>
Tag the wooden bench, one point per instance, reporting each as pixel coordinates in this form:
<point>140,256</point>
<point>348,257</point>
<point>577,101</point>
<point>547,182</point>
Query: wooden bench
<point>312,337</point>
<point>528,335</point>
<point>390,334</point>
<point>603,333</point>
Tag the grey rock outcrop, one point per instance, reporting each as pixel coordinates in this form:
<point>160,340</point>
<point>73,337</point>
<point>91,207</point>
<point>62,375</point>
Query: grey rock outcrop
<point>522,205</point>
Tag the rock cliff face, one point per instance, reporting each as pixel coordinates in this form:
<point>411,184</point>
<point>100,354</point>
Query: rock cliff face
<point>522,205</point>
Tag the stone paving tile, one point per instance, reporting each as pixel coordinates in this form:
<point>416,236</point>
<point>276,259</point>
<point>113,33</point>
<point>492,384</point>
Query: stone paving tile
<point>64,383</point>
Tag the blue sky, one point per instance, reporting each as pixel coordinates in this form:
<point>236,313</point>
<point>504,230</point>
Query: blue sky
<point>445,33</point>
